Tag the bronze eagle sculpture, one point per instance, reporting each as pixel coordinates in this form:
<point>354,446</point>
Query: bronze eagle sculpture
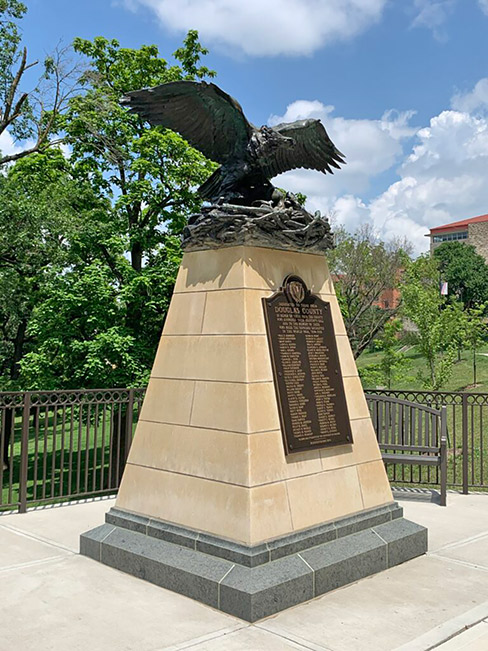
<point>214,123</point>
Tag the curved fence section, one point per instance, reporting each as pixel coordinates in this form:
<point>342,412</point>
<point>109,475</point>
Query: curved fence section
<point>58,445</point>
<point>467,433</point>
<point>413,440</point>
<point>61,445</point>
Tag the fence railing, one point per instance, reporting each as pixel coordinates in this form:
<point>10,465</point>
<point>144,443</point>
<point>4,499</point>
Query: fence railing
<point>58,445</point>
<point>467,434</point>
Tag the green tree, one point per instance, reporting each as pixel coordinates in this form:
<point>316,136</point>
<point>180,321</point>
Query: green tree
<point>30,114</point>
<point>475,333</point>
<point>102,320</point>
<point>434,319</point>
<point>465,271</point>
<point>393,362</point>
<point>364,267</point>
<point>42,208</point>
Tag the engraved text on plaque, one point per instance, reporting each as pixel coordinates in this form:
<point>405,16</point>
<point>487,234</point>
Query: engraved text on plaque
<point>307,374</point>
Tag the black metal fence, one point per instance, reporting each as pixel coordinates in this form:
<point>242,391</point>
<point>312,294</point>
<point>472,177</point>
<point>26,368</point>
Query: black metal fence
<point>58,445</point>
<point>467,435</point>
<point>61,445</point>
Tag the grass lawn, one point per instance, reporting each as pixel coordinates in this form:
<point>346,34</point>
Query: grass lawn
<point>69,457</point>
<point>460,380</point>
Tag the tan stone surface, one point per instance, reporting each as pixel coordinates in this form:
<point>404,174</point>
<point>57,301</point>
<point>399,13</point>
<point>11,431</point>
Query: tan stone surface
<point>323,497</point>
<point>268,462</point>
<point>337,320</point>
<point>270,515</point>
<point>208,451</point>
<point>168,401</point>
<point>210,270</point>
<point>262,407</point>
<point>225,358</point>
<point>375,486</point>
<point>186,314</point>
<point>210,506</point>
<point>243,408</point>
<point>211,454</point>
<point>251,267</point>
<point>235,311</point>
<point>266,269</point>
<point>364,448</point>
<point>346,358</point>
<point>355,400</point>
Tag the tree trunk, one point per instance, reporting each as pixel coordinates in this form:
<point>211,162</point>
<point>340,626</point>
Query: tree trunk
<point>136,256</point>
<point>18,349</point>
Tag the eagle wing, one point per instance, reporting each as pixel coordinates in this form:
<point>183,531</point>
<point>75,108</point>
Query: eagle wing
<point>312,149</point>
<point>209,119</point>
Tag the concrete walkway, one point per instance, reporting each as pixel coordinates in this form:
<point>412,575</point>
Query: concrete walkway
<point>52,599</point>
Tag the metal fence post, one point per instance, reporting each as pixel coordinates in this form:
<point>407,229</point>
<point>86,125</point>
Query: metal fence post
<point>443,451</point>
<point>465,443</point>
<point>24,453</point>
<point>129,417</point>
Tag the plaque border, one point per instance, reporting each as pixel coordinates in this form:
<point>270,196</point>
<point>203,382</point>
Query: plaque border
<point>283,426</point>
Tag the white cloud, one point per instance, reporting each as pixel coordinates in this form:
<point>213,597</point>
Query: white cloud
<point>7,144</point>
<point>433,14</point>
<point>371,147</point>
<point>290,27</point>
<point>475,99</point>
<point>484,6</point>
<point>442,177</point>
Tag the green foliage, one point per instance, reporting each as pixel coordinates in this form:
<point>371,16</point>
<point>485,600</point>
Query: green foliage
<point>465,271</point>
<point>436,320</point>
<point>100,319</point>
<point>30,112</point>
<point>42,210</point>
<point>364,267</point>
<point>10,38</point>
<point>475,333</point>
<point>393,364</point>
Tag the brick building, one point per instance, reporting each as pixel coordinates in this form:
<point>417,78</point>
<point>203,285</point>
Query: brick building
<point>470,231</point>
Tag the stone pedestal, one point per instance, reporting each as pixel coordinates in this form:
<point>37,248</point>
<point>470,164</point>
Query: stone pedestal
<point>209,504</point>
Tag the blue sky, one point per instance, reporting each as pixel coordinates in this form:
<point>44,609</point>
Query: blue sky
<point>401,85</point>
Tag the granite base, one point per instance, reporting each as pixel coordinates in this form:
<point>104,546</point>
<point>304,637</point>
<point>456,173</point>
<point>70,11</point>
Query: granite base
<point>254,582</point>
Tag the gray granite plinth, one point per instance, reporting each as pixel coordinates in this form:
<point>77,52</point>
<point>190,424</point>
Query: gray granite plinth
<point>254,582</point>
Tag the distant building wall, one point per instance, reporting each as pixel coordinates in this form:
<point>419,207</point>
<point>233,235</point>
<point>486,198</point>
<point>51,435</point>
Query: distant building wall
<point>478,237</point>
<point>469,231</point>
<point>437,239</point>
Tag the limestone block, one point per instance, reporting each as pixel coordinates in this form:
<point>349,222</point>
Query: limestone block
<point>186,314</point>
<point>208,452</point>
<point>168,401</point>
<point>235,407</point>
<point>375,486</point>
<point>235,311</point>
<point>222,358</point>
<point>325,496</point>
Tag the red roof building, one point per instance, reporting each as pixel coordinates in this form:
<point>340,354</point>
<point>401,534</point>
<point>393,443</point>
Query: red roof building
<point>470,231</point>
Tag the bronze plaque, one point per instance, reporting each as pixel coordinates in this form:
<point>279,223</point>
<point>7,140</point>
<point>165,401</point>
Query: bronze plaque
<point>307,374</point>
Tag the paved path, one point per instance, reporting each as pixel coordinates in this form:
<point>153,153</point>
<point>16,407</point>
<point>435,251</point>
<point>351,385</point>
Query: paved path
<point>55,600</point>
